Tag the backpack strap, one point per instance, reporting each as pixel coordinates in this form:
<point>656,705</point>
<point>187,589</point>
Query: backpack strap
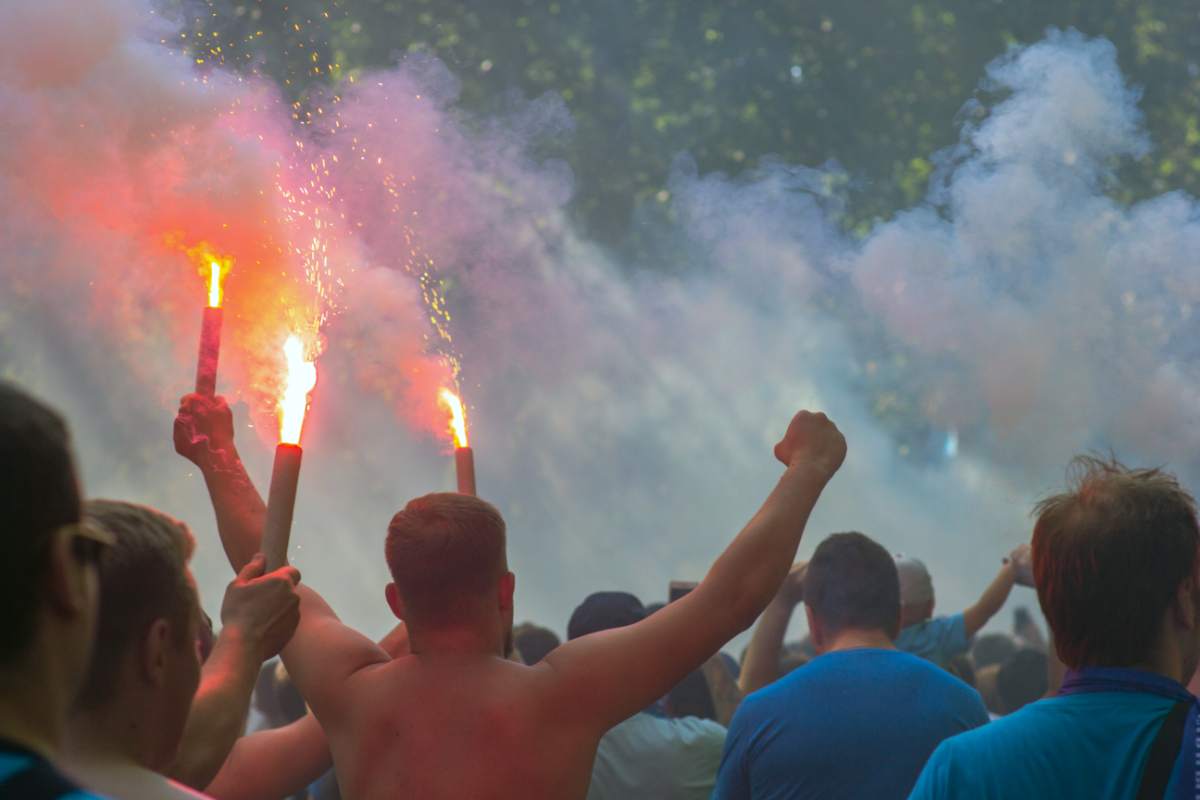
<point>1163,752</point>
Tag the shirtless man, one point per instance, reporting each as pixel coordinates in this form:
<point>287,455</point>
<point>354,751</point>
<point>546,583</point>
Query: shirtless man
<point>455,719</point>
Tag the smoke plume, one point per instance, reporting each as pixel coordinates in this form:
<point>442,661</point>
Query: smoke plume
<point>623,418</point>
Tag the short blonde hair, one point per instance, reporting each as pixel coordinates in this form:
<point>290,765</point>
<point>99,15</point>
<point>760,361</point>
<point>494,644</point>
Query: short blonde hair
<point>143,577</point>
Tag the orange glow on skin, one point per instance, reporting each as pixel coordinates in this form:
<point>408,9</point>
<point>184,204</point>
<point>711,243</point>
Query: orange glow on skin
<point>458,417</point>
<point>301,378</point>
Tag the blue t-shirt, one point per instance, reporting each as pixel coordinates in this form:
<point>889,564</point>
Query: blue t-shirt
<point>24,775</point>
<point>852,723</point>
<point>1090,745</point>
<point>939,639</point>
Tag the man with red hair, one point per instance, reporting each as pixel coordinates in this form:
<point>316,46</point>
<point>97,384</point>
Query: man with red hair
<point>457,719</point>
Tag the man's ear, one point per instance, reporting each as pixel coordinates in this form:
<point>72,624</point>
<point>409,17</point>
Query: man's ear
<point>394,601</point>
<point>67,578</point>
<point>508,587</point>
<point>815,631</point>
<point>156,646</point>
<point>1183,607</point>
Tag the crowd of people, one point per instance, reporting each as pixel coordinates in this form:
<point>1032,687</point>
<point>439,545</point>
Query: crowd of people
<point>114,683</point>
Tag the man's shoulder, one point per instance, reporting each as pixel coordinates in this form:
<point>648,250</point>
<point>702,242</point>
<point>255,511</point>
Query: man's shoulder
<point>697,728</point>
<point>1021,727</point>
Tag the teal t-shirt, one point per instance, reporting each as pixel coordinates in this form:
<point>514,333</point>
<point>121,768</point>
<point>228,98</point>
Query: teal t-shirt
<point>1091,745</point>
<point>938,640</point>
<point>24,775</point>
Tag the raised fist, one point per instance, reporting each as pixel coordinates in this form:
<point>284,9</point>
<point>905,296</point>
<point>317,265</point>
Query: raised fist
<point>264,609</point>
<point>1022,561</point>
<point>203,429</point>
<point>812,439</point>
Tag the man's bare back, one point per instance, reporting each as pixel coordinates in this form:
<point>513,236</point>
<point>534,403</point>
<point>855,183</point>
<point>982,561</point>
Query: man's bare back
<point>457,727</point>
<point>455,720</point>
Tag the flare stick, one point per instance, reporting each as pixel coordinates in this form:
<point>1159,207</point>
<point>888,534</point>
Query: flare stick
<point>464,465</point>
<point>210,351</point>
<point>281,502</point>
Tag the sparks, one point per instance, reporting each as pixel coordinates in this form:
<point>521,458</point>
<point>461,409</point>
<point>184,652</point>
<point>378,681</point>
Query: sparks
<point>458,417</point>
<point>301,378</point>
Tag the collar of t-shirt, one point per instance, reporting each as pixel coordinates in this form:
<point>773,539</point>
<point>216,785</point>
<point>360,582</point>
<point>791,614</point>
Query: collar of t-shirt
<point>1116,679</point>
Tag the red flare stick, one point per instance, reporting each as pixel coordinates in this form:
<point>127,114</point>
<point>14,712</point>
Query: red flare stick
<point>210,352</point>
<point>464,466</point>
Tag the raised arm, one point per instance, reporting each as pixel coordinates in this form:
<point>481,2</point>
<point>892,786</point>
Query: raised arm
<point>258,616</point>
<point>204,435</point>
<point>762,656</point>
<point>601,679</point>
<point>323,652</point>
<point>1014,570</point>
<point>283,761</point>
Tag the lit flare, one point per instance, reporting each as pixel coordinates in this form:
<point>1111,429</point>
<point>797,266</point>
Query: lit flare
<point>301,378</point>
<point>458,417</point>
<point>214,284</point>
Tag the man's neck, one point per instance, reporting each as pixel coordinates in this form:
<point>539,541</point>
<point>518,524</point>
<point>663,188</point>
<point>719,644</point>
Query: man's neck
<point>456,640</point>
<point>108,734</point>
<point>858,639</point>
<point>34,704</point>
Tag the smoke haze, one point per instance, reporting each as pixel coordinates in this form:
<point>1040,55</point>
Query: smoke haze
<point>623,418</point>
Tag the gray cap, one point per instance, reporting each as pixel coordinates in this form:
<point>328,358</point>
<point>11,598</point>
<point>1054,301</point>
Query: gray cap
<point>916,587</point>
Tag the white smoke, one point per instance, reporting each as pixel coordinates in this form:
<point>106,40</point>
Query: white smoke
<point>623,420</point>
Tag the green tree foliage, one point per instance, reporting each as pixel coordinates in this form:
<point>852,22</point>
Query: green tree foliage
<point>875,85</point>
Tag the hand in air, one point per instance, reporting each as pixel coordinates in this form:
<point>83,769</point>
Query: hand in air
<point>813,440</point>
<point>265,609</point>
<point>791,591</point>
<point>203,429</point>
<point>1022,561</point>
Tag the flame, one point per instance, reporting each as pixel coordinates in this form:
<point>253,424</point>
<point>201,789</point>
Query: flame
<point>458,417</point>
<point>301,378</point>
<point>214,284</point>
<point>211,264</point>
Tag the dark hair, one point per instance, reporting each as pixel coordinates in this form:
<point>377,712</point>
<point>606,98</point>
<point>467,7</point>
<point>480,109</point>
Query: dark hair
<point>992,648</point>
<point>1109,555</point>
<point>603,611</point>
<point>445,550</point>
<point>39,492</point>
<point>143,577</point>
<point>692,697</point>
<point>533,642</point>
<point>851,583</point>
<point>1021,680</point>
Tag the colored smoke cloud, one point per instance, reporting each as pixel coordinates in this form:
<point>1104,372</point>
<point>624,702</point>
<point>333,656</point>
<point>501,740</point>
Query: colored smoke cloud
<point>623,419</point>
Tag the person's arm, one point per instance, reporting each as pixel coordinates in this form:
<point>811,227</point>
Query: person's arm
<point>284,761</point>
<point>766,645</point>
<point>275,763</point>
<point>997,592</point>
<point>204,435</point>
<point>258,615</point>
<point>723,687</point>
<point>323,652</point>
<point>600,679</point>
